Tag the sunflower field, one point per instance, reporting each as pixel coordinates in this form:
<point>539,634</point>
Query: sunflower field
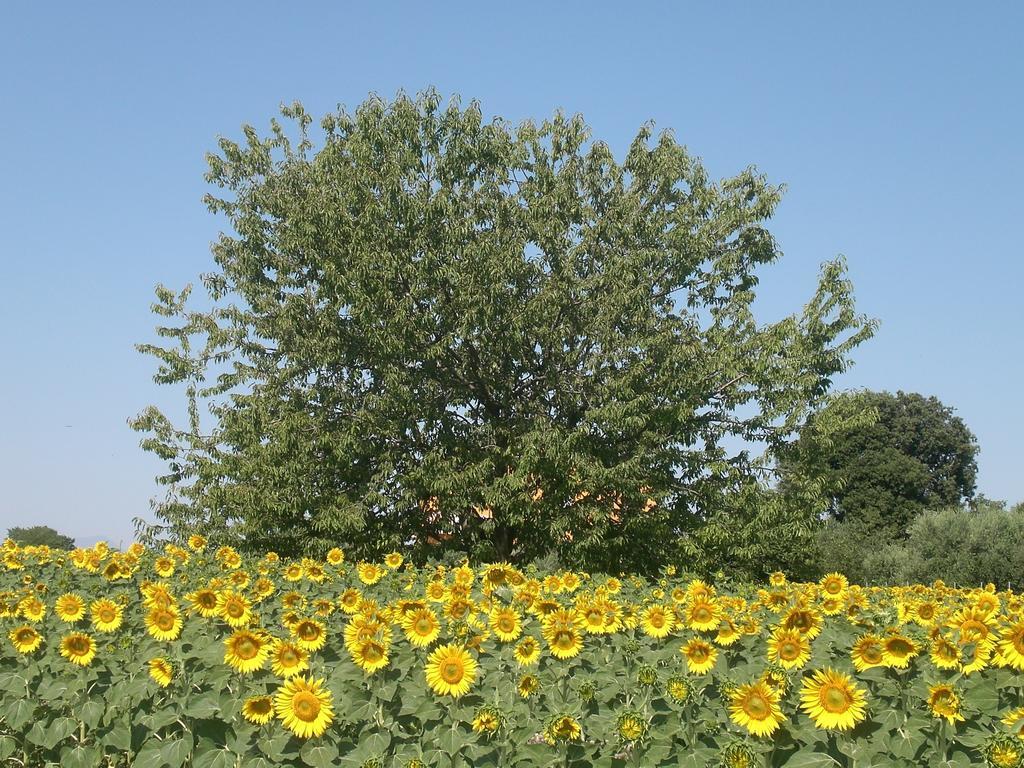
<point>200,657</point>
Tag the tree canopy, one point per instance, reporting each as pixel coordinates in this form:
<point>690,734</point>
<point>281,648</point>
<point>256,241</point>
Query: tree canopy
<point>912,454</point>
<point>434,330</point>
<point>40,535</point>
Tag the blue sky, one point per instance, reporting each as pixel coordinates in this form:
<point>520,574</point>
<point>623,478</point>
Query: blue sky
<point>895,126</point>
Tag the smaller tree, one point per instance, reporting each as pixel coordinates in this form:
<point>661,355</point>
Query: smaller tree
<point>39,535</point>
<point>898,455</point>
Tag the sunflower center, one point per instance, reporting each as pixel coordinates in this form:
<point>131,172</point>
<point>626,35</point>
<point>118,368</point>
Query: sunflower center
<point>699,654</point>
<point>79,646</point>
<point>789,651</point>
<point>234,609</point>
<point>872,654</point>
<point>373,652</point>
<point>756,707</point>
<point>305,706</point>
<point>506,624</point>
<point>898,647</point>
<point>701,614</point>
<point>423,626</point>
<point>308,631</point>
<point>835,700</point>
<point>288,658</point>
<point>246,648</point>
<point>25,635</point>
<point>164,621</point>
<point>564,640</point>
<point>451,671</point>
<point>106,614</point>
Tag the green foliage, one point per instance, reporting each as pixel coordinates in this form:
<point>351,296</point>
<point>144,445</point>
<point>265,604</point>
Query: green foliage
<point>884,458</point>
<point>457,334</point>
<point>39,535</point>
<point>961,546</point>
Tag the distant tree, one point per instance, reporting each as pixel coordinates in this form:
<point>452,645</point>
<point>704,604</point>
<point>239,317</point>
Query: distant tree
<point>39,535</point>
<point>459,334</point>
<point>906,453</point>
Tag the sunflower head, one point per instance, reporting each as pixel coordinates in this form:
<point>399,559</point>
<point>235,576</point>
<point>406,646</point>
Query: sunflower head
<point>631,726</point>
<point>563,727</point>
<point>1003,751</point>
<point>304,706</point>
<point>258,709</point>
<point>679,689</point>
<point>487,720</point>
<point>25,638</point>
<point>647,675</point>
<point>528,685</point>
<point>833,700</point>
<point>161,671</point>
<point>738,755</point>
<point>78,648</point>
<point>451,671</point>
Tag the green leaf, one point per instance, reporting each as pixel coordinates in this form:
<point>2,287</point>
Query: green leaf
<point>804,759</point>
<point>215,758</point>
<point>319,755</point>
<point>90,713</point>
<point>80,756</point>
<point>59,730</point>
<point>175,752</point>
<point>18,713</point>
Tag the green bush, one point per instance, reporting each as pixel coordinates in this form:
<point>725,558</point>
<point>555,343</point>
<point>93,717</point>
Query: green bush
<point>961,546</point>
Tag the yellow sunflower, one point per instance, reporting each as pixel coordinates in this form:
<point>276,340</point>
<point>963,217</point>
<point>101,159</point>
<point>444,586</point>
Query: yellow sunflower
<point>394,560</point>
<point>1011,645</point>
<point>164,623</point>
<point>700,656</point>
<point>160,670</point>
<point>563,728</point>
<point>788,648</point>
<point>1014,720</point>
<point>451,670</point>
<point>704,614</point>
<point>528,685</point>
<point>527,652</point>
<point>258,709</point>
<point>287,659</point>
<point>506,623</point>
<point>310,634</point>
<point>832,700</point>
<point>234,608</point>
<point>944,702</point>
<point>755,706</point>
<point>304,705</point>
<point>69,607</point>
<point>32,608</point>
<point>246,651</point>
<point>370,655</point>
<point>803,619</point>
<point>897,651</point>
<point>834,584</point>
<point>657,621</point>
<point>203,602</point>
<point>867,652</point>
<point>944,654</point>
<point>421,627</point>
<point>78,648</point>
<point>369,573</point>
<point>25,639</point>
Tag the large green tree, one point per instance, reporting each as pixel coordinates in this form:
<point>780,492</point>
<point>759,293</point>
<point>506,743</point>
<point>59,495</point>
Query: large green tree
<point>432,330</point>
<point>878,473</point>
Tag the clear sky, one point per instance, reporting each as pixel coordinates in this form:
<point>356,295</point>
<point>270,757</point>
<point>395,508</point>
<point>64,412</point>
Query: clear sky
<point>896,127</point>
